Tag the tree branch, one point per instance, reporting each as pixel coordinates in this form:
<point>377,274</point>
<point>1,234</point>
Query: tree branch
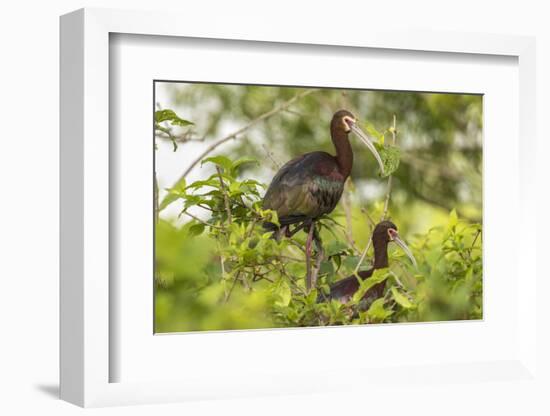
<point>225,196</point>
<point>346,204</point>
<point>269,154</point>
<point>388,192</point>
<point>234,135</point>
<point>362,257</point>
<point>199,220</point>
<point>156,197</point>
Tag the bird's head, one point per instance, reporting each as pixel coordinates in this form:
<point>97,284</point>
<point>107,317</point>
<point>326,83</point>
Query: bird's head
<point>345,121</point>
<point>385,232</point>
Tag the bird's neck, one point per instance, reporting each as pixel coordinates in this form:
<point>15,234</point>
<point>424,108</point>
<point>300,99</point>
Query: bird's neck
<point>380,260</point>
<point>344,154</point>
<point>380,255</point>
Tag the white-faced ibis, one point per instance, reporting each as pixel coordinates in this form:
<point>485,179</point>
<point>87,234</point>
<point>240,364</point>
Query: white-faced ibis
<point>309,186</point>
<point>343,290</point>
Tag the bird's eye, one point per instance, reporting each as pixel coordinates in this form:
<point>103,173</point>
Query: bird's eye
<point>392,233</point>
<point>348,123</point>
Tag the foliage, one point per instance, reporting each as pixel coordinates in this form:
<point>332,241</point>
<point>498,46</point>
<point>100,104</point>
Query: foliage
<point>171,116</point>
<point>390,156</point>
<point>166,118</point>
<point>217,267</point>
<point>241,277</point>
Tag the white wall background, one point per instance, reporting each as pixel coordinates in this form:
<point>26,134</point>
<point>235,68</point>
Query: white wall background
<point>29,56</point>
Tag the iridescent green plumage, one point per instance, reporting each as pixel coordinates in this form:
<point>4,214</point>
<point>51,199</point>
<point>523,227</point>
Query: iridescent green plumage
<point>305,188</point>
<point>311,185</point>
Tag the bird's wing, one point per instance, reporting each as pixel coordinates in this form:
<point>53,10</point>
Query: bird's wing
<point>343,290</point>
<point>291,192</point>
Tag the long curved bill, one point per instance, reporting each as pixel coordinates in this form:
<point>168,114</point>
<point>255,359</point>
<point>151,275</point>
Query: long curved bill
<point>368,142</point>
<point>397,240</point>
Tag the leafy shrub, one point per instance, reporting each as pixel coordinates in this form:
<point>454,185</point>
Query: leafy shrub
<point>227,272</point>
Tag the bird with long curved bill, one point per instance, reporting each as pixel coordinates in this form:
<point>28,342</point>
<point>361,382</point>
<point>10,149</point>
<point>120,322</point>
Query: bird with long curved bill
<point>310,186</point>
<point>343,290</point>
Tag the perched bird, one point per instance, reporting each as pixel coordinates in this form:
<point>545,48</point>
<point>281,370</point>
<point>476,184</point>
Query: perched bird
<point>309,186</point>
<point>343,290</point>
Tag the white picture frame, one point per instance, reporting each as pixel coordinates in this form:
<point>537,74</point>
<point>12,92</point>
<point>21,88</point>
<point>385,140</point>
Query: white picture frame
<point>86,355</point>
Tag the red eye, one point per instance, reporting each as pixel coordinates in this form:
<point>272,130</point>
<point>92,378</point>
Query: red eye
<point>392,233</point>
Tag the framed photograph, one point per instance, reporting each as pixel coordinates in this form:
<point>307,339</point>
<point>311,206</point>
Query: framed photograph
<point>273,214</point>
<point>250,242</point>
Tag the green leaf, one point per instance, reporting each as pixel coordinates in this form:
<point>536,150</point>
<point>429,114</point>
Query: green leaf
<point>326,268</point>
<point>191,200</point>
<point>350,263</point>
<point>453,220</point>
<point>401,299</point>
<point>390,156</point>
<point>371,131</point>
<point>174,193</point>
<point>242,161</point>
<point>284,294</point>
<point>378,276</point>
<point>196,229</point>
<point>214,183</point>
<point>338,261</point>
<point>335,247</point>
<point>221,161</point>
<point>377,312</point>
<point>172,117</point>
<point>234,188</point>
<point>296,269</point>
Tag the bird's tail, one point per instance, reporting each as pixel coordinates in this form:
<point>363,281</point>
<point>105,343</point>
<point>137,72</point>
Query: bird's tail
<point>270,226</point>
<point>283,229</point>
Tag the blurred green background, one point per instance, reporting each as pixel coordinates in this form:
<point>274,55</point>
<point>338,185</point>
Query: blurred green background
<point>440,174</point>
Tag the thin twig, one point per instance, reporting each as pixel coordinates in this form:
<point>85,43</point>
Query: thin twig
<point>389,187</point>
<point>297,245</point>
<point>371,221</point>
<point>222,266</point>
<point>237,277</point>
<point>181,138</point>
<point>236,133</point>
<point>475,239</point>
<point>156,197</point>
<point>199,220</point>
<point>309,250</point>
<point>387,201</point>
<point>319,257</point>
<point>269,154</point>
<point>292,280</point>
<point>296,113</point>
<point>362,258</point>
<point>397,280</point>
<point>346,204</point>
<point>473,243</point>
<point>290,258</point>
<point>225,196</point>
<point>228,295</point>
<point>245,283</point>
<point>165,132</point>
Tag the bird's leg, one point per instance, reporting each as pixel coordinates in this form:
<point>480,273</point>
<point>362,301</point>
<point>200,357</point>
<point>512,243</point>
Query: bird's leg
<point>308,256</point>
<point>296,229</point>
<point>282,231</point>
<point>287,231</point>
<point>319,256</point>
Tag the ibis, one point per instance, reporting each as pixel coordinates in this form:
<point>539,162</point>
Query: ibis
<point>309,186</point>
<point>385,232</point>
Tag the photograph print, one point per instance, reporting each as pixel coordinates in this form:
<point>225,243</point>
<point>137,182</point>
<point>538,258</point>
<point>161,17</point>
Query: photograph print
<point>284,207</point>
